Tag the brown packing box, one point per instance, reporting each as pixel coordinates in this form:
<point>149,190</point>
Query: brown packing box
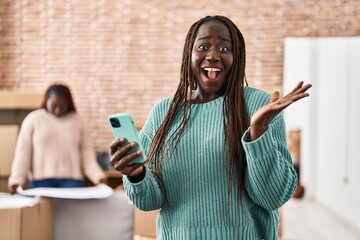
<point>145,223</point>
<point>8,137</point>
<point>27,223</point>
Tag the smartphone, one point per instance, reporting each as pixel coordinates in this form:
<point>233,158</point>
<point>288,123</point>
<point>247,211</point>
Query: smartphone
<point>122,125</point>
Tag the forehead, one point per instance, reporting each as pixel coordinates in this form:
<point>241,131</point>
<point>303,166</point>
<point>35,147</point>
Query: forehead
<point>213,29</point>
<point>56,97</point>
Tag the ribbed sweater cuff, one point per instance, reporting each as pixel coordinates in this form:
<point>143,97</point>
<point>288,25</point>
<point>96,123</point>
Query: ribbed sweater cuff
<point>258,148</point>
<point>139,186</point>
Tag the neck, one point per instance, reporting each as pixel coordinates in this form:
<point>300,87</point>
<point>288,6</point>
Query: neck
<point>198,97</point>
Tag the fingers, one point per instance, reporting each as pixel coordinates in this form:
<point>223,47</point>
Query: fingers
<point>296,94</point>
<point>13,188</point>
<point>125,160</point>
<point>274,97</point>
<point>299,96</point>
<point>133,170</point>
<point>121,159</point>
<point>103,181</point>
<point>302,89</point>
<point>299,89</point>
<point>114,146</point>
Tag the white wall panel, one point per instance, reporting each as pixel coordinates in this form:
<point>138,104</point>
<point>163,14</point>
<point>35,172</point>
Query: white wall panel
<point>353,147</point>
<point>299,66</point>
<point>329,120</point>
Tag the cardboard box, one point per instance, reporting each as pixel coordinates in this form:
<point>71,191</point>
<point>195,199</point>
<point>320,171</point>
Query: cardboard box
<point>8,138</point>
<point>4,185</point>
<point>145,223</point>
<point>27,223</point>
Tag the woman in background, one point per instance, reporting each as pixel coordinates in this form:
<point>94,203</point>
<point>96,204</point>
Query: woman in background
<point>54,147</point>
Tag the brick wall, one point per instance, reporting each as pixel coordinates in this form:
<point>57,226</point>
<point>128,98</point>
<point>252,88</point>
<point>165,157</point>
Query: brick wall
<point>122,56</point>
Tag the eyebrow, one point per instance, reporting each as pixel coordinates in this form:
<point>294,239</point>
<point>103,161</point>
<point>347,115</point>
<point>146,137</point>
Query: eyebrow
<point>208,37</point>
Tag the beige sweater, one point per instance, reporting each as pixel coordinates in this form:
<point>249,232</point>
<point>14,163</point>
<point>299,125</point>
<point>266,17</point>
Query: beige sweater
<point>52,147</point>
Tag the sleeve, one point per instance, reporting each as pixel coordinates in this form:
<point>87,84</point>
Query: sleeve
<point>146,194</point>
<point>23,153</point>
<point>270,178</point>
<point>90,165</point>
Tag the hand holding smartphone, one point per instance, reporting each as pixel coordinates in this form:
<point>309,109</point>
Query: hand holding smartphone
<point>122,126</point>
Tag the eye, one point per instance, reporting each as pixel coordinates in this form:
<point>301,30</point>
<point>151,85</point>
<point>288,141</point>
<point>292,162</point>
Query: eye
<point>223,49</point>
<point>202,47</point>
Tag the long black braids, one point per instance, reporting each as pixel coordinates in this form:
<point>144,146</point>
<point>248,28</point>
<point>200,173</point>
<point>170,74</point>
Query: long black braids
<point>236,120</point>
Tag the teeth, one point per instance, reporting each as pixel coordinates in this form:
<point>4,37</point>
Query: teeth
<point>212,69</point>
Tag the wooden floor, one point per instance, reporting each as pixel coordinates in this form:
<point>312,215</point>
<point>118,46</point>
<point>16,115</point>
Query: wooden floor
<point>307,220</point>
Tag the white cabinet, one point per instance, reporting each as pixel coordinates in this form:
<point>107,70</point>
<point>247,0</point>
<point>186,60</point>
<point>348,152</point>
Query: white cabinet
<point>329,119</point>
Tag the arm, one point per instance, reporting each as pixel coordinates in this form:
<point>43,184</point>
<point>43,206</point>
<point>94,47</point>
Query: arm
<point>146,194</point>
<point>270,178</point>
<point>23,155</point>
<point>140,182</point>
<point>91,167</point>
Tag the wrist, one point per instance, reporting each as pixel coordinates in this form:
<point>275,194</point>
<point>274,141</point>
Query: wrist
<point>256,132</point>
<point>138,177</point>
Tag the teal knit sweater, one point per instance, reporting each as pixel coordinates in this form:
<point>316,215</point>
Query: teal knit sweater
<point>196,178</point>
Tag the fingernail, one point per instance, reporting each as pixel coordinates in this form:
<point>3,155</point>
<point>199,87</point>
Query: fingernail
<point>121,140</point>
<point>139,152</point>
<point>133,144</point>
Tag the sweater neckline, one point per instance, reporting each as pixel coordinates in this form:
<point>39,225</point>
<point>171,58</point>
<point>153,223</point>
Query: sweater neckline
<point>60,119</point>
<point>208,105</point>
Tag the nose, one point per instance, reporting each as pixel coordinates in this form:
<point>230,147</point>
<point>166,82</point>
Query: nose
<point>212,55</point>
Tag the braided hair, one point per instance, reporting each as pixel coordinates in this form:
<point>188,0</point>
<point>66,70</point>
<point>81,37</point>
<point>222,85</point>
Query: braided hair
<point>236,119</point>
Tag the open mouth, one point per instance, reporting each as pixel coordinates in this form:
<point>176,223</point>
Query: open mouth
<point>211,73</point>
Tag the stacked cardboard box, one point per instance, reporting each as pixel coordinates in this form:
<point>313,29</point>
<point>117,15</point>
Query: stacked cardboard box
<point>8,136</point>
<point>27,223</point>
<point>145,224</point>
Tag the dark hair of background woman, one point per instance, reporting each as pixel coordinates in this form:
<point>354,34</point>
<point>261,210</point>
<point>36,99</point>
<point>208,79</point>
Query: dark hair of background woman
<point>59,90</point>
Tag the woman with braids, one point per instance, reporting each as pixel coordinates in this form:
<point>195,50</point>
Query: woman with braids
<point>54,147</point>
<point>218,166</point>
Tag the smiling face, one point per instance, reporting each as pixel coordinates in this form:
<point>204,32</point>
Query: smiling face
<point>211,61</point>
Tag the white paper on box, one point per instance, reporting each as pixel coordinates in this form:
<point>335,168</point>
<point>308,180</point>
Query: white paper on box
<point>96,192</point>
<point>15,201</point>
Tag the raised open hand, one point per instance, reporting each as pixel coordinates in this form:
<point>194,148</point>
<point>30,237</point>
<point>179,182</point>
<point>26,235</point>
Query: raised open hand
<point>264,115</point>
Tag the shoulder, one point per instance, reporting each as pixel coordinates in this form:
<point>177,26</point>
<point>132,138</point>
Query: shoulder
<point>162,105</point>
<point>36,114</point>
<point>34,118</point>
<point>164,102</point>
<point>75,117</point>
<point>157,113</point>
<point>255,98</point>
<point>254,94</point>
